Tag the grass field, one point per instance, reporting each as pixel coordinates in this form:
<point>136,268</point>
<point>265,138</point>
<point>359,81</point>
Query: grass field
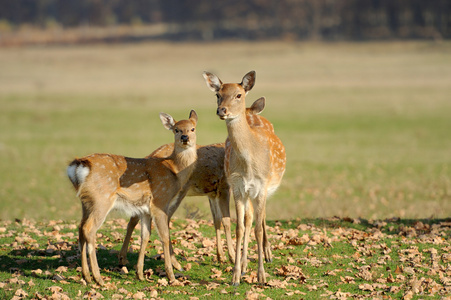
<point>367,132</point>
<point>313,259</point>
<point>366,125</point>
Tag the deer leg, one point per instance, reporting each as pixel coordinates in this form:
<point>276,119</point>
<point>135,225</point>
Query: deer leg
<point>266,243</point>
<point>240,207</point>
<point>161,224</point>
<point>259,234</point>
<point>171,212</point>
<point>248,218</point>
<point>216,213</point>
<point>122,256</point>
<point>83,251</point>
<point>145,234</point>
<point>89,227</point>
<point>224,203</point>
<point>174,261</point>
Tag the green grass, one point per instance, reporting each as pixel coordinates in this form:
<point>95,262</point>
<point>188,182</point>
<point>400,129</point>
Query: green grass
<point>365,125</point>
<point>319,258</point>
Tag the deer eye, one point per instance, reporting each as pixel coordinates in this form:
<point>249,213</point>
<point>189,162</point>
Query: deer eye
<point>238,96</point>
<point>176,130</point>
<point>192,129</point>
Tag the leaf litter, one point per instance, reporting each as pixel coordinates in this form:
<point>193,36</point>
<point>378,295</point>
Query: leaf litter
<point>335,258</point>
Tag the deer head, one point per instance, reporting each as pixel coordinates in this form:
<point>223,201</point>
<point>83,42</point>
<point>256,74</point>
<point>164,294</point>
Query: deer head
<point>184,131</point>
<point>231,96</point>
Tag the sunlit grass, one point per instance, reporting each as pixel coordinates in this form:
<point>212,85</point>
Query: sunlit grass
<point>366,125</point>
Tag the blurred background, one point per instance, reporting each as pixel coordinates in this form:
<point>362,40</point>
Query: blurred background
<point>358,91</point>
<point>47,21</point>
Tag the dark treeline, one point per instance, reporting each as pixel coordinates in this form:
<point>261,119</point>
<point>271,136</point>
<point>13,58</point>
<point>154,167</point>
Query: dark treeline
<point>246,19</point>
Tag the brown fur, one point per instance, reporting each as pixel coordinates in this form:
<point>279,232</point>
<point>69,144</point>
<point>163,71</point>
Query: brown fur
<point>208,179</point>
<point>143,187</point>
<point>254,165</point>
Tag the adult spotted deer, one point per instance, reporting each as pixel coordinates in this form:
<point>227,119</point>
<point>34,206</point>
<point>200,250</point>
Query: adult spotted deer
<point>254,165</point>
<point>142,187</point>
<point>208,179</point>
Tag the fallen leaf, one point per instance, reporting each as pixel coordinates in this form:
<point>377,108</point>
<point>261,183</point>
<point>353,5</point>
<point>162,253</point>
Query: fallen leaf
<point>55,289</point>
<point>277,283</point>
<point>139,295</point>
<point>21,293</point>
<point>212,286</point>
<point>61,269</point>
<point>153,293</point>
<point>163,282</point>
<point>398,270</point>
<point>366,287</point>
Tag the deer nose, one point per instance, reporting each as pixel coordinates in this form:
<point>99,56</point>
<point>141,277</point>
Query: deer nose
<point>221,111</point>
<point>184,138</point>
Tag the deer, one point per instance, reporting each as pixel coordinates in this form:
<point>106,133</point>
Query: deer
<point>143,187</point>
<point>208,179</point>
<point>254,164</point>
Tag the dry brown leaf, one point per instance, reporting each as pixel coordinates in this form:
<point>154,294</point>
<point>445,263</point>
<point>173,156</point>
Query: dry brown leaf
<point>250,278</point>
<point>207,243</point>
<point>163,282</point>
<point>216,273</point>
<point>177,283</point>
<point>277,284</point>
<point>366,287</point>
<point>188,266</point>
<point>347,279</point>
<point>21,293</point>
<point>212,286</point>
<point>364,273</point>
<point>408,295</point>
<point>36,272</point>
<point>153,293</point>
<point>251,295</point>
<point>55,289</point>
<point>139,295</point>
<point>93,294</point>
<point>61,269</point>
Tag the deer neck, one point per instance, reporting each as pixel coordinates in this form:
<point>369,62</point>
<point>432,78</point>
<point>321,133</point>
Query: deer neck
<point>240,134</point>
<point>184,160</point>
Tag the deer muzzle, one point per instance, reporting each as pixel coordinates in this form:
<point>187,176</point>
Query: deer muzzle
<point>222,112</point>
<point>185,139</point>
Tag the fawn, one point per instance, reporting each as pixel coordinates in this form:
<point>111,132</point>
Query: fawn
<point>143,187</point>
<point>255,162</point>
<point>207,179</point>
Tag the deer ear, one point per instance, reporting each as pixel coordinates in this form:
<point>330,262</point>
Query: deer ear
<point>167,120</point>
<point>213,82</point>
<point>248,81</point>
<point>193,117</point>
<point>258,106</point>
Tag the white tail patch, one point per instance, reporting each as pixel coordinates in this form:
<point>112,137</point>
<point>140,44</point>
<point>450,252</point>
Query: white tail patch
<point>77,173</point>
<point>82,172</point>
<point>71,173</point>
